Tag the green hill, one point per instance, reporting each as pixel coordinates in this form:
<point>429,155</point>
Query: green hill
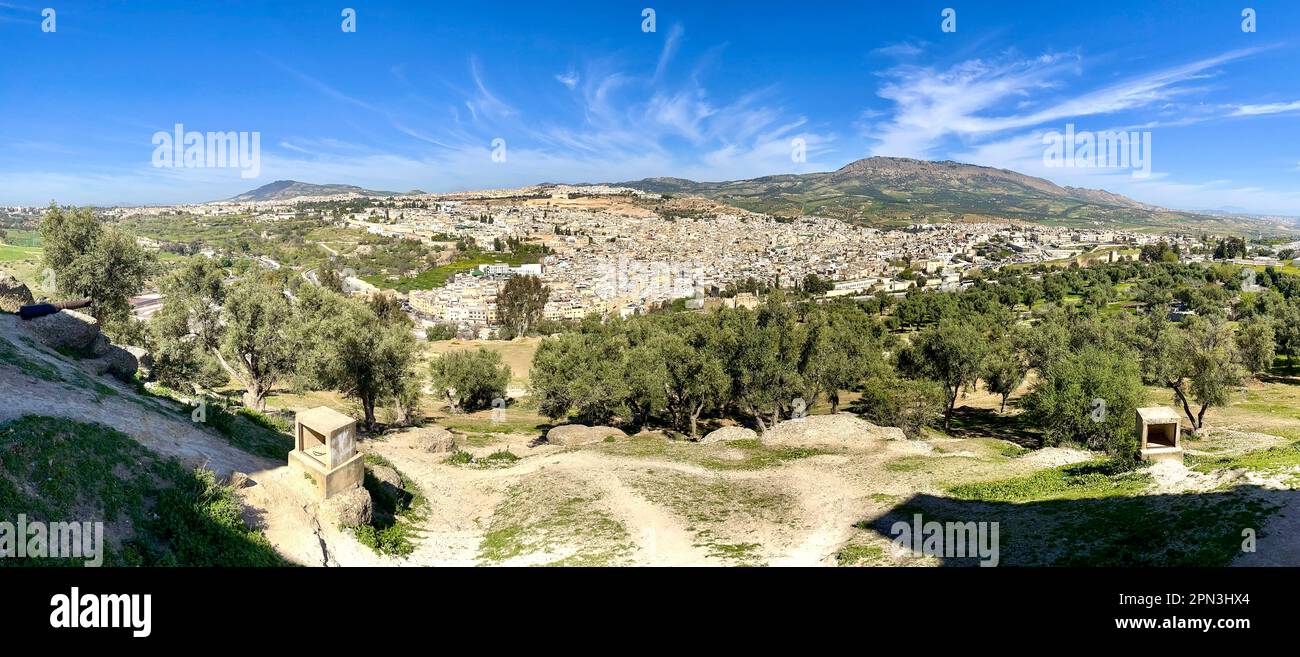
<point>890,192</point>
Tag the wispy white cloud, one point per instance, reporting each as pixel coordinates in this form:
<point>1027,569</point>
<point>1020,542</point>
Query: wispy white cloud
<point>617,123</point>
<point>666,55</point>
<point>901,50</point>
<point>1266,108</point>
<point>324,88</point>
<point>569,79</point>
<point>978,98</point>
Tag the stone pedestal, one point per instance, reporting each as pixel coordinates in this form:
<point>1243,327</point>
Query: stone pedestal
<point>325,449</point>
<point>1160,434</point>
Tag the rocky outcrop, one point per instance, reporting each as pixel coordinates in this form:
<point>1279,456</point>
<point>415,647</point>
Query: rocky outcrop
<point>434,439</point>
<point>353,507</point>
<point>144,361</point>
<point>13,294</point>
<point>66,329</point>
<point>388,482</point>
<point>116,361</point>
<point>581,434</point>
<point>838,431</point>
<point>728,434</point>
<point>78,333</point>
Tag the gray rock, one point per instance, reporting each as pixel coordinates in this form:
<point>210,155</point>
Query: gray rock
<point>352,507</point>
<point>435,440</point>
<point>101,346</point>
<point>389,482</point>
<point>239,480</point>
<point>728,434</point>
<point>144,361</point>
<point>13,294</point>
<point>66,329</point>
<point>116,361</point>
<point>838,431</point>
<point>581,434</point>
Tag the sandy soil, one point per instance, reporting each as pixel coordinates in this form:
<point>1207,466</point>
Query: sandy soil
<point>807,506</point>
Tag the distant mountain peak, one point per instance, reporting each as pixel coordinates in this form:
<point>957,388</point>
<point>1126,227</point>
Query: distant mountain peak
<point>898,191</point>
<point>282,190</point>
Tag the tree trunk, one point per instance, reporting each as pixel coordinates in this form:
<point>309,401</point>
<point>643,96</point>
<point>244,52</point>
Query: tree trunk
<point>834,398</point>
<point>255,396</point>
<point>230,370</point>
<point>758,417</point>
<point>1200,417</point>
<point>1003,410</point>
<point>368,406</point>
<point>1178,392</point>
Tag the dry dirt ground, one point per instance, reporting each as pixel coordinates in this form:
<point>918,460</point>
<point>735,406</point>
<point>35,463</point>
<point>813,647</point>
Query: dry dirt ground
<point>643,500</point>
<point>650,500</point>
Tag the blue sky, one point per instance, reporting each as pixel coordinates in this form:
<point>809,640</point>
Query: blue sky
<point>415,97</point>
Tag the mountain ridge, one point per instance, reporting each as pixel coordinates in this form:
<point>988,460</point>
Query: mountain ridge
<point>282,190</point>
<point>890,191</point>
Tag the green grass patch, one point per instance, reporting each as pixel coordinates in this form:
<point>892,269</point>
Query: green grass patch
<point>61,470</point>
<point>502,458</point>
<point>249,430</point>
<point>438,276</point>
<point>1095,479</point>
<point>860,555</point>
<point>394,529</point>
<point>473,425</point>
<point>733,455</point>
<point>478,440</point>
<point>548,516</point>
<point>10,356</point>
<point>1269,461</point>
<point>11,253</point>
<point>459,457</point>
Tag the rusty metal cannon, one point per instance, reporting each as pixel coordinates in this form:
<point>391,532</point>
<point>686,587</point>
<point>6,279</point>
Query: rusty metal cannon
<point>34,310</point>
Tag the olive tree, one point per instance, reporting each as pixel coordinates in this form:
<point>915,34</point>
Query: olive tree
<point>95,261</point>
<point>470,380</point>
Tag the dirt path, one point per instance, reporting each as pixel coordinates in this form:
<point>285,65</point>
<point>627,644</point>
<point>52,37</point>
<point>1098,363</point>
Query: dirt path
<point>661,537</point>
<point>830,506</point>
<point>675,511</point>
<point>276,498</point>
<point>80,395</point>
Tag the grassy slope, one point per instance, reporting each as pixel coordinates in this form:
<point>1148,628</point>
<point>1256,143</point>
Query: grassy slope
<point>157,512</point>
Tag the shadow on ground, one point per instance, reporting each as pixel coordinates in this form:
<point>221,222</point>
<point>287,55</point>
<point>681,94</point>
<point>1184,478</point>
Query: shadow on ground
<point>1193,529</point>
<point>969,422</point>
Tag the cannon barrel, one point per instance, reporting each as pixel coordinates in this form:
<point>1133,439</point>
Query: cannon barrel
<point>32,311</point>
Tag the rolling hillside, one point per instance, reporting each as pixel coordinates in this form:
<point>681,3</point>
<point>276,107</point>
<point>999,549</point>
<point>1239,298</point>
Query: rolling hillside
<point>281,190</point>
<point>889,192</point>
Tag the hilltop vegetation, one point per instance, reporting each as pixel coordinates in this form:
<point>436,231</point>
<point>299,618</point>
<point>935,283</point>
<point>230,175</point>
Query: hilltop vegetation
<point>887,192</point>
